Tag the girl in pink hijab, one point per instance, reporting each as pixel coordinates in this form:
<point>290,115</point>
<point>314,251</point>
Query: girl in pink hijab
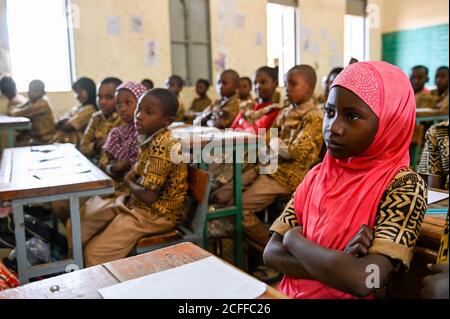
<point>356,216</point>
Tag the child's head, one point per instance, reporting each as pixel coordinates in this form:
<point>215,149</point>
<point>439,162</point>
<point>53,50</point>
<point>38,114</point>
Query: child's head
<point>8,87</point>
<point>106,96</point>
<point>85,90</point>
<point>156,110</point>
<point>418,77</point>
<point>441,79</point>
<point>148,84</point>
<point>128,95</point>
<point>370,112</point>
<point>245,87</point>
<point>329,81</point>
<point>175,84</point>
<point>266,83</point>
<point>202,87</point>
<point>300,83</point>
<point>36,90</point>
<point>228,83</point>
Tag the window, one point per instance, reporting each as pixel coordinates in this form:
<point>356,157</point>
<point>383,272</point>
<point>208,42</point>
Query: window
<point>39,35</point>
<point>282,50</point>
<point>190,39</point>
<point>355,31</point>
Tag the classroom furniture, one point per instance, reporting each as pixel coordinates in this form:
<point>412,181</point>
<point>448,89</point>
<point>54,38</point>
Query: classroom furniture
<point>192,228</point>
<point>9,124</point>
<point>409,285</point>
<point>84,284</point>
<point>430,115</point>
<point>195,140</point>
<point>40,174</point>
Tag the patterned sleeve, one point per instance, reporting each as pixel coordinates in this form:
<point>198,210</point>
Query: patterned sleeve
<point>80,119</point>
<point>32,109</point>
<point>401,212</point>
<point>157,163</point>
<point>286,220</point>
<point>308,141</point>
<point>430,163</point>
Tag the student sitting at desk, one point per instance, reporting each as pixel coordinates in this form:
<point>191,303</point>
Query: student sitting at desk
<point>72,125</point>
<point>103,121</point>
<point>223,112</point>
<point>299,144</point>
<point>418,78</point>
<point>120,148</point>
<point>175,85</point>
<point>434,162</point>
<point>9,90</point>
<point>320,241</point>
<point>440,94</point>
<point>158,187</point>
<point>38,110</point>
<point>202,101</point>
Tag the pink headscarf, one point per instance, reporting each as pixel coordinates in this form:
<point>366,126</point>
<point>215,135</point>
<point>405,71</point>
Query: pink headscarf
<point>135,88</point>
<point>338,196</point>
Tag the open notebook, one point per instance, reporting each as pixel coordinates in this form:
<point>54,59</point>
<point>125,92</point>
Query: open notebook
<point>208,278</point>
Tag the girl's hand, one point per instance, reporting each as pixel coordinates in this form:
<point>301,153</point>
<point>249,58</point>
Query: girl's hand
<point>359,245</point>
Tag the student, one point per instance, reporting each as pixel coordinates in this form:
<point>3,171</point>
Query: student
<point>175,85</point>
<point>299,143</point>
<point>38,110</point>
<point>157,185</point>
<point>440,94</point>
<point>418,78</point>
<point>148,84</point>
<point>364,179</point>
<point>223,112</point>
<point>71,127</point>
<point>9,90</point>
<point>263,113</point>
<point>245,89</point>
<point>202,101</point>
<point>435,285</point>
<point>120,148</point>
<point>434,162</point>
<point>103,121</point>
<point>328,82</point>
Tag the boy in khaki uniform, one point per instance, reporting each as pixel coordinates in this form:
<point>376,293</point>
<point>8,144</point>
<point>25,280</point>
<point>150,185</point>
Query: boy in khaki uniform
<point>110,228</point>
<point>223,112</point>
<point>299,144</point>
<point>38,110</point>
<point>419,77</point>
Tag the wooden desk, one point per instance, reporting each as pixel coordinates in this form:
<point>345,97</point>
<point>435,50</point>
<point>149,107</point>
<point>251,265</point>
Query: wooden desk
<point>195,139</point>
<point>84,284</point>
<point>11,123</point>
<point>430,115</point>
<point>48,173</point>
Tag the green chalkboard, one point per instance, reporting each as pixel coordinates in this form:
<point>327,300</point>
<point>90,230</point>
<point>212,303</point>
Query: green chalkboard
<point>425,46</point>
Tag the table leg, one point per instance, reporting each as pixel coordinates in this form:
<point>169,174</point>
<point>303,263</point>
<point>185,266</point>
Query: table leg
<point>76,231</point>
<point>237,171</point>
<point>21,249</point>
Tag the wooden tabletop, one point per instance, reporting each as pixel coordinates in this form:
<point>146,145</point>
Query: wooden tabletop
<point>48,170</point>
<point>422,112</point>
<point>13,121</point>
<point>85,283</point>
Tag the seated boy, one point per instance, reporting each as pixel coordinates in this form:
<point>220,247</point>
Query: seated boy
<point>38,110</point>
<point>222,113</point>
<point>419,77</point>
<point>110,228</point>
<point>9,90</point>
<point>440,94</point>
<point>175,85</point>
<point>299,144</point>
<point>245,89</point>
<point>200,103</point>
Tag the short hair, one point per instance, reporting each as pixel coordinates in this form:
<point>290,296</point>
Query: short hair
<point>204,81</point>
<point>168,100</point>
<point>417,67</point>
<point>233,74</point>
<point>272,72</point>
<point>307,72</point>
<point>177,79</point>
<point>442,68</point>
<point>246,78</point>
<point>8,87</point>
<point>149,82</point>
<point>111,80</point>
<point>38,85</point>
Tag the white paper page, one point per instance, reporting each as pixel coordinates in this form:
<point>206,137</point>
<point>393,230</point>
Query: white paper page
<point>434,197</point>
<point>209,278</point>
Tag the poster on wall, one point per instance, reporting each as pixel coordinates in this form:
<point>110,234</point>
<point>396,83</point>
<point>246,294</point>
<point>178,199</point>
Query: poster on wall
<point>113,26</point>
<point>136,24</point>
<point>151,54</point>
<point>220,62</point>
